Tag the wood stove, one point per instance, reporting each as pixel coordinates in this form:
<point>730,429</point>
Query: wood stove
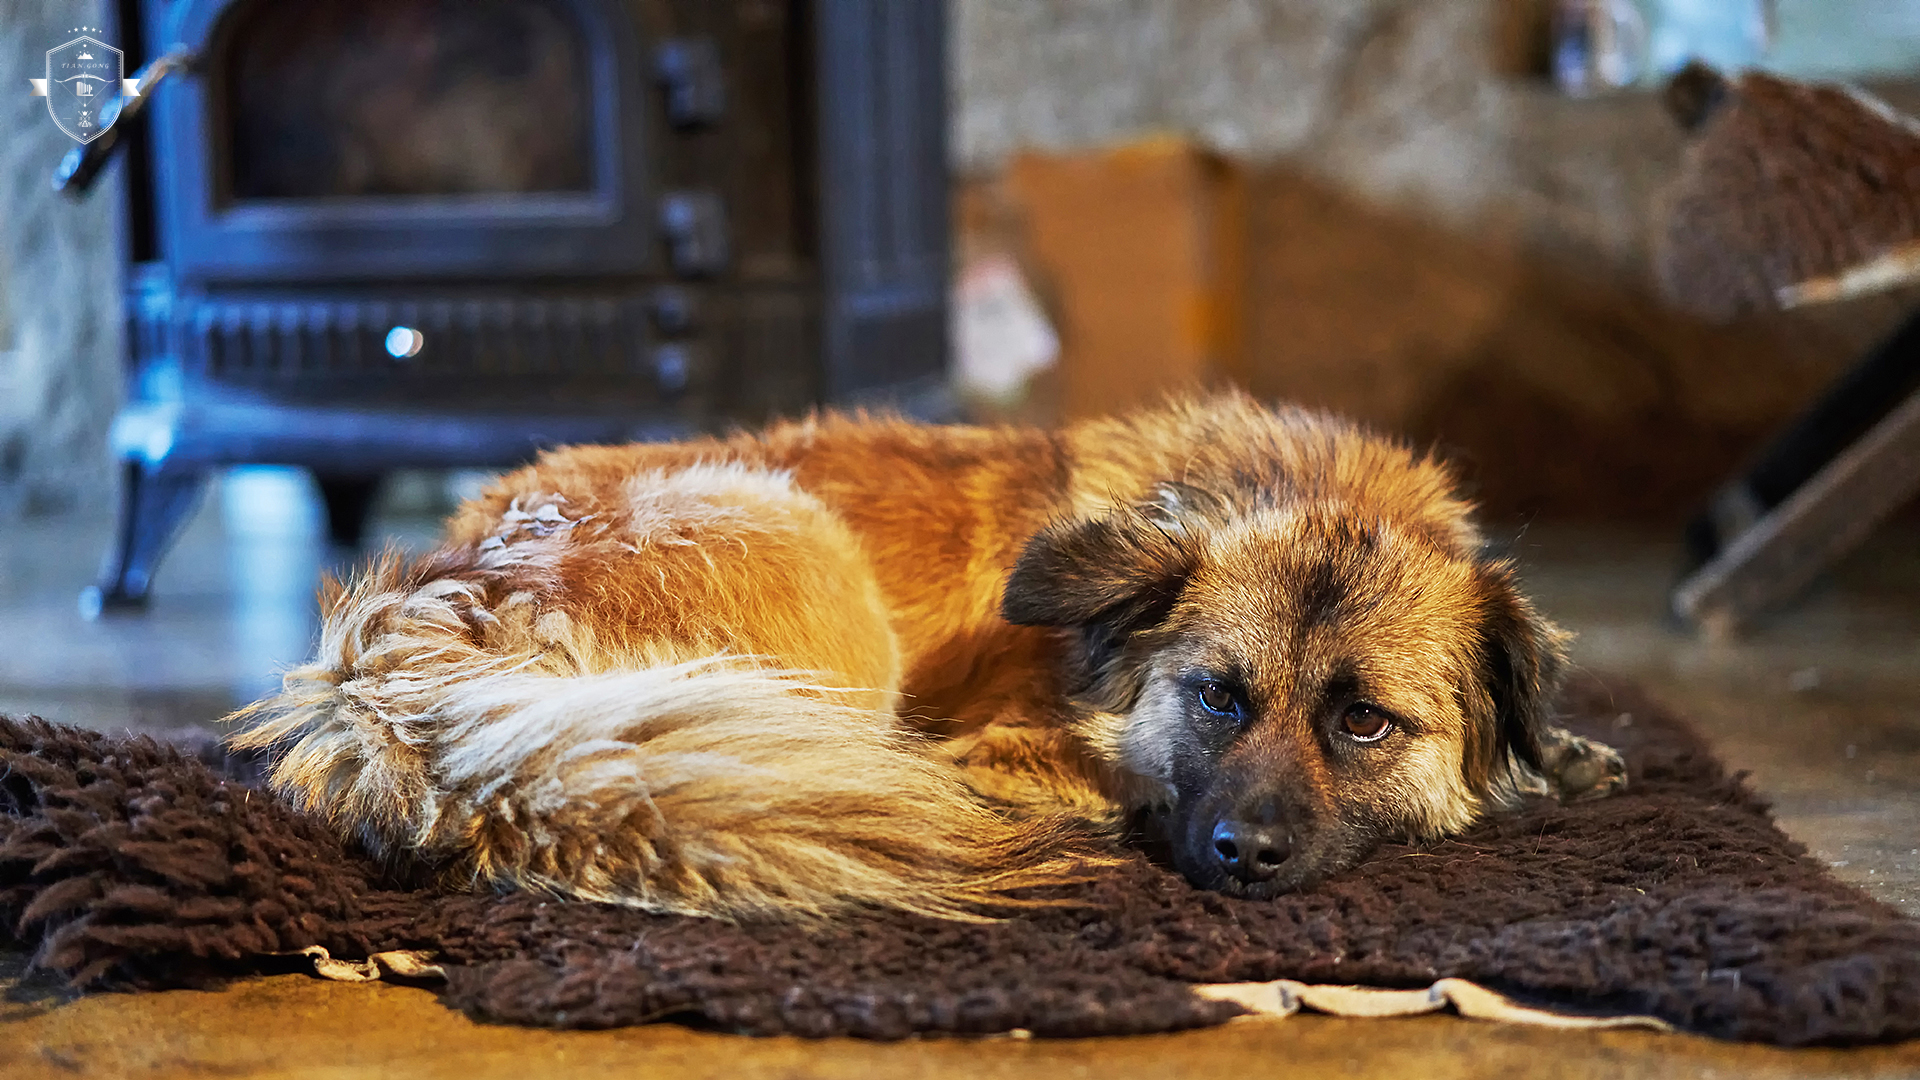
<point>371,234</point>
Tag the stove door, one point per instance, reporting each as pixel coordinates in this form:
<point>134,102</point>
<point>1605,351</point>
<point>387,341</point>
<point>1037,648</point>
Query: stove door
<point>349,139</point>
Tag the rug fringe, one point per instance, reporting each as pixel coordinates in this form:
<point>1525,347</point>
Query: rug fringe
<point>396,964</point>
<point>1284,997</point>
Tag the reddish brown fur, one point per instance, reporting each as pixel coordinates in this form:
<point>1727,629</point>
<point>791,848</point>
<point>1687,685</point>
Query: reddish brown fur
<point>874,555</point>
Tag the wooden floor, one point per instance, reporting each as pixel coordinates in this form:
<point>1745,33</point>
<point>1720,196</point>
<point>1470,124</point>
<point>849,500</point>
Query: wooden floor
<point>291,1026</point>
<point>1822,704</point>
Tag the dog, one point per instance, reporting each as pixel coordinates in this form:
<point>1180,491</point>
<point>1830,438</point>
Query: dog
<point>853,662</point>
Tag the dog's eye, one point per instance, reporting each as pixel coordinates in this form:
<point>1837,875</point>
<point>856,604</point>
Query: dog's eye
<point>1366,723</point>
<point>1216,698</point>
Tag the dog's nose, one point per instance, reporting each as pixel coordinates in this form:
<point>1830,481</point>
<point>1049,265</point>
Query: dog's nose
<point>1250,852</point>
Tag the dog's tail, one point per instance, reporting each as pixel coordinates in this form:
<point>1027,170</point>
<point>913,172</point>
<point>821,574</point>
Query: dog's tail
<point>705,786</point>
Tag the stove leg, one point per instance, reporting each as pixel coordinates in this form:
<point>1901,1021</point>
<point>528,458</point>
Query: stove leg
<point>349,499</point>
<point>155,500</point>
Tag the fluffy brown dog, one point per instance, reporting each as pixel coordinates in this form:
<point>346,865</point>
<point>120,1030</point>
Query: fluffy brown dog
<point>856,661</point>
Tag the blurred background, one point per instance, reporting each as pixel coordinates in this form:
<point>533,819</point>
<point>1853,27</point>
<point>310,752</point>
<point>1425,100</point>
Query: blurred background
<point>346,259</point>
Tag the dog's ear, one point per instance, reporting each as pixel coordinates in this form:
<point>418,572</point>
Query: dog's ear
<point>1522,658</point>
<point>1122,571</point>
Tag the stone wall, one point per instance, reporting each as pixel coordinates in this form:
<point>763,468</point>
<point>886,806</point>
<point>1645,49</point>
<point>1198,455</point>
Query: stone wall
<point>1410,103</point>
<point>59,288</point>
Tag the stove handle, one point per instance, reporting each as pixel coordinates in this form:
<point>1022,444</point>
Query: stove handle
<point>81,166</point>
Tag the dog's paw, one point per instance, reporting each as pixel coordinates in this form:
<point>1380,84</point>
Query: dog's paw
<point>1578,768</point>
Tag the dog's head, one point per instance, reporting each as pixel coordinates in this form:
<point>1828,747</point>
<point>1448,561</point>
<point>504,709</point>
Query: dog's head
<point>1285,686</point>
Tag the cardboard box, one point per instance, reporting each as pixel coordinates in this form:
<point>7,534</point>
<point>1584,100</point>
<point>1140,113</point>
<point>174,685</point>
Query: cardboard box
<point>1140,251</point>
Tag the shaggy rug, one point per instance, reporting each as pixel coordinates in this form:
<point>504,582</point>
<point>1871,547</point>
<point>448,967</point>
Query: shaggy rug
<point>125,863</point>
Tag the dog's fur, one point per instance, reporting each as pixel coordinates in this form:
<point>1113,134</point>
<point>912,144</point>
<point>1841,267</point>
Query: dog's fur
<point>857,661</point>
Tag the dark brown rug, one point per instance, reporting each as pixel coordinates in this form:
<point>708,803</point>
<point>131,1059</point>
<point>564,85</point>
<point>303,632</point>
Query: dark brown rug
<point>125,863</point>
